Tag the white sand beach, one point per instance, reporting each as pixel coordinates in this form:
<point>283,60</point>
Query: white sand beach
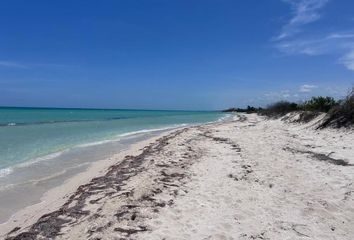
<point>249,178</point>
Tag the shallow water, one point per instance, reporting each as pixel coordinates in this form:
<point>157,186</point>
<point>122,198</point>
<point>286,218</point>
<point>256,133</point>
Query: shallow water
<point>41,148</point>
<point>28,134</point>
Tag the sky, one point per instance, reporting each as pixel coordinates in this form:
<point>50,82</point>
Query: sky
<point>174,54</point>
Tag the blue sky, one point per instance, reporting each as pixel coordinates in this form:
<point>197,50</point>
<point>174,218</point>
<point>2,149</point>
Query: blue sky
<point>165,54</point>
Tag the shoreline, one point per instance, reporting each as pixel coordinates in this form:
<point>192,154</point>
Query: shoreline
<point>249,178</point>
<point>56,196</point>
<point>8,170</point>
<point>101,151</point>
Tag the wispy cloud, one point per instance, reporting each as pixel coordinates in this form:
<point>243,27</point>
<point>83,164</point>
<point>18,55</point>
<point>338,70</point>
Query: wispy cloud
<point>348,60</point>
<point>339,44</point>
<point>304,12</point>
<point>340,36</point>
<point>304,92</point>
<point>290,94</point>
<point>281,95</point>
<point>12,64</point>
<point>307,88</point>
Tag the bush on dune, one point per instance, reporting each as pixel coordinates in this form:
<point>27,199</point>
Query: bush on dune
<point>280,108</point>
<point>319,104</point>
<point>308,110</point>
<point>341,115</point>
<point>338,113</point>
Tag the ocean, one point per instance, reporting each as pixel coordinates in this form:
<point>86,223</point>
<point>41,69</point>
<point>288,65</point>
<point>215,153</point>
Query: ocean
<point>42,147</point>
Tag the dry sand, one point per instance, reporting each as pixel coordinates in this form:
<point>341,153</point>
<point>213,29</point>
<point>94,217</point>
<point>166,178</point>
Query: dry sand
<point>249,178</point>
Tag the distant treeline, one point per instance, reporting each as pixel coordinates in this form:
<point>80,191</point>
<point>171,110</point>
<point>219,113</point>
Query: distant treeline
<point>249,109</point>
<point>339,112</point>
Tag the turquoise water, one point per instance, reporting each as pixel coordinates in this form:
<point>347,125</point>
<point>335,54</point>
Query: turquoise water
<point>32,134</point>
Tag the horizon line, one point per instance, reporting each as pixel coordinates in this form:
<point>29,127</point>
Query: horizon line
<point>126,109</point>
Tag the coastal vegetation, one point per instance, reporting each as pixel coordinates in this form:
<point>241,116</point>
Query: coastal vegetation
<point>342,114</point>
<point>249,109</point>
<point>319,104</point>
<point>339,113</point>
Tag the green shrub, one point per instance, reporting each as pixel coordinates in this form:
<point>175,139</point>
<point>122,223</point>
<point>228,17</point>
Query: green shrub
<point>280,108</point>
<point>319,104</point>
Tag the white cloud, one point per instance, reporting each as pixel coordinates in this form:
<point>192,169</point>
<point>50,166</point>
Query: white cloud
<point>340,35</point>
<point>304,12</point>
<point>304,92</point>
<point>306,88</point>
<point>283,94</point>
<point>337,42</point>
<point>348,60</point>
<point>340,44</point>
<point>310,47</point>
